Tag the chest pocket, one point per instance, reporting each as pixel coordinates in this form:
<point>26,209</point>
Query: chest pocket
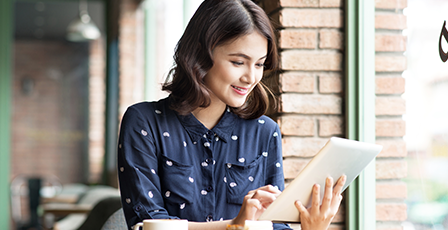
<point>240,179</point>
<point>178,184</point>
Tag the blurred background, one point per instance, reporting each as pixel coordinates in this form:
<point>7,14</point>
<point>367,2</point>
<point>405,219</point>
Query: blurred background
<point>61,99</point>
<point>426,115</point>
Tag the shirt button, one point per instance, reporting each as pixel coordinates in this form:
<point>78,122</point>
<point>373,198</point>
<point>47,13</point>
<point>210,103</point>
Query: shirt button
<point>209,218</point>
<point>138,208</point>
<point>209,189</point>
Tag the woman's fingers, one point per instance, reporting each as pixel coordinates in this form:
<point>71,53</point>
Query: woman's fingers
<point>337,197</point>
<point>315,200</point>
<point>267,188</point>
<point>340,184</point>
<point>264,197</point>
<point>328,194</point>
<point>254,203</point>
<point>302,210</point>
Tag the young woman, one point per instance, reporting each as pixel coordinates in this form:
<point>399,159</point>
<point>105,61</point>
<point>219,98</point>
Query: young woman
<point>207,153</point>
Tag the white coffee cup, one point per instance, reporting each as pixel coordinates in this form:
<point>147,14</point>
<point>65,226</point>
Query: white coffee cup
<point>162,224</point>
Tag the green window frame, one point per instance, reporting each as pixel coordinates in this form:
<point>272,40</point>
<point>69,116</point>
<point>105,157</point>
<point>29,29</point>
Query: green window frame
<point>360,107</point>
<point>6,9</point>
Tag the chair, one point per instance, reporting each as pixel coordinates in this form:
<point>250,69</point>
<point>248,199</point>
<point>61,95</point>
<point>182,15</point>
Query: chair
<point>116,222</point>
<point>94,207</point>
<point>101,213</point>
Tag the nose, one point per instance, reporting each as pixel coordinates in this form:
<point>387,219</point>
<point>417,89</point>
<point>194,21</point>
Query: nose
<point>250,76</point>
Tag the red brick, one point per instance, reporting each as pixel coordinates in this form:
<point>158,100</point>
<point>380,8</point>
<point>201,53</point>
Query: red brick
<point>331,126</point>
<point>390,42</point>
<point>391,169</point>
<point>330,83</point>
<point>297,125</point>
<point>297,82</point>
<point>302,147</point>
<point>385,63</point>
<point>391,190</point>
<point>311,60</point>
<point>390,128</point>
<point>390,21</point>
<point>389,226</point>
<point>299,3</point>
<point>331,3</point>
<point>311,104</point>
<point>389,85</point>
<point>392,148</point>
<point>391,4</point>
<point>390,106</point>
<point>292,167</point>
<point>331,39</point>
<point>304,39</point>
<point>391,212</point>
<point>311,18</point>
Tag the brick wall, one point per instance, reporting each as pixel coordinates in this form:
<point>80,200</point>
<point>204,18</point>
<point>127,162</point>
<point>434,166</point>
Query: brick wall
<point>310,85</point>
<point>97,98</point>
<point>310,91</point>
<point>131,69</point>
<point>390,106</point>
<point>49,124</point>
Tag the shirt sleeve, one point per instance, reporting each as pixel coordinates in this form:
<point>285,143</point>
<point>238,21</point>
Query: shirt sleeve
<point>138,170</point>
<point>274,167</point>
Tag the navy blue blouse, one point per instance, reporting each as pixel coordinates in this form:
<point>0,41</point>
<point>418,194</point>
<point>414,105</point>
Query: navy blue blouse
<point>172,166</point>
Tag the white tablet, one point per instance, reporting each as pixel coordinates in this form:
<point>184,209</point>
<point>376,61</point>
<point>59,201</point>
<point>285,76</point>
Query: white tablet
<point>339,156</point>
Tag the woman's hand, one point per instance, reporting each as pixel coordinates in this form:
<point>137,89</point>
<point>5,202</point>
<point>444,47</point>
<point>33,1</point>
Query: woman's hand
<point>255,202</point>
<point>319,217</point>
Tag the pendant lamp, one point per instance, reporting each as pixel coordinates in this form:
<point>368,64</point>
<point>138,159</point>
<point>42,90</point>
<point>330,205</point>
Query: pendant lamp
<point>82,29</point>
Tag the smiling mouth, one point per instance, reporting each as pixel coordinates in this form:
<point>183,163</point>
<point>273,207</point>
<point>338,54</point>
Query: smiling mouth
<point>241,91</point>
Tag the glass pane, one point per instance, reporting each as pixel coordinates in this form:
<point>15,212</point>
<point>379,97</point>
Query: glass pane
<point>57,98</point>
<point>426,116</point>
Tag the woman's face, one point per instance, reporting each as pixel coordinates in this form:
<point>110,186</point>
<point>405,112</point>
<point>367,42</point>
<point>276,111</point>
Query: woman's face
<point>237,68</point>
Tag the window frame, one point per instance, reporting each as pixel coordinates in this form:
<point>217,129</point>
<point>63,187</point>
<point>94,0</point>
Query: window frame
<point>360,107</point>
<point>6,39</point>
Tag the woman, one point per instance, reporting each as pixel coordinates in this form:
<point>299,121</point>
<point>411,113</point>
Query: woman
<point>207,153</point>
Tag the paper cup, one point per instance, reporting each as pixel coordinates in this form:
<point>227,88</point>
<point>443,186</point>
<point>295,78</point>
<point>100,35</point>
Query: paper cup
<point>162,224</point>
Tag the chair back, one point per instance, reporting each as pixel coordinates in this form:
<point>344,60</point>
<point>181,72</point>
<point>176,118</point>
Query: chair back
<point>116,222</point>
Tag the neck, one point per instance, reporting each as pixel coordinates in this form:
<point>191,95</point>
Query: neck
<point>210,115</point>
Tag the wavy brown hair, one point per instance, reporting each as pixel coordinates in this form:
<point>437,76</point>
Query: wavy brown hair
<point>215,23</point>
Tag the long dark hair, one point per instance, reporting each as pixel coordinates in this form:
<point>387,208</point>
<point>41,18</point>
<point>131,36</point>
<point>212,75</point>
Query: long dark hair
<point>215,23</point>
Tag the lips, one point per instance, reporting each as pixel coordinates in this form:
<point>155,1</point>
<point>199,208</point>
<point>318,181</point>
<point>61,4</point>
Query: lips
<point>239,90</point>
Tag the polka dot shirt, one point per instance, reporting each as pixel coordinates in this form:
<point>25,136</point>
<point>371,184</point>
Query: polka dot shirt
<point>171,166</point>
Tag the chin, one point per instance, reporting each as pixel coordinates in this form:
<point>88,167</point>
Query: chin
<point>236,104</point>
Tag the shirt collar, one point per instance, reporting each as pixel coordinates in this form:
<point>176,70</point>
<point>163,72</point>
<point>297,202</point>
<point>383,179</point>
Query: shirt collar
<point>196,129</point>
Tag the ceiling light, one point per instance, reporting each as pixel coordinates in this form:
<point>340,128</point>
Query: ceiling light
<point>82,29</point>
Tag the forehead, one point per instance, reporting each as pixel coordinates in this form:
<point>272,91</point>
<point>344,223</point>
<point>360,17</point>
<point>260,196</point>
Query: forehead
<point>253,44</point>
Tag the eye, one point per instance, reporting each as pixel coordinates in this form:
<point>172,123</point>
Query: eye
<point>261,65</point>
<point>237,63</point>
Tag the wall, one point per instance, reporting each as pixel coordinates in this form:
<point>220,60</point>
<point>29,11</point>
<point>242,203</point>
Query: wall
<point>49,135</point>
<point>390,62</point>
<point>310,85</point>
<point>97,98</point>
<point>310,89</point>
<point>131,49</point>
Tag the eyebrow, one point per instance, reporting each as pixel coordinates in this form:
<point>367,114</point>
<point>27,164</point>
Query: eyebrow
<point>245,56</point>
